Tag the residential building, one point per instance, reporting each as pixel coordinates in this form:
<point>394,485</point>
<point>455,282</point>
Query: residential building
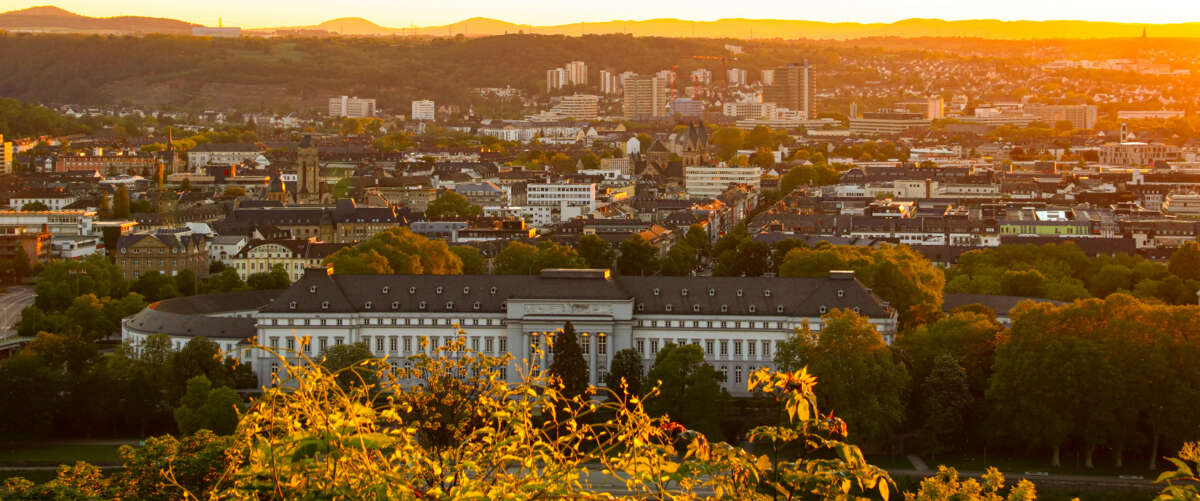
<point>701,76</point>
<point>564,194</point>
<point>294,255</point>
<point>351,107</point>
<point>54,200</point>
<point>767,77</point>
<point>107,164</point>
<point>223,247</point>
<point>166,251</point>
<point>60,223</point>
<point>645,98</point>
<point>705,182</point>
<point>793,89</point>
<point>221,154</point>
<point>1149,114</point>
<point>887,123</point>
<point>6,156</point>
<point>610,83</point>
<point>735,77</point>
<point>687,108</point>
<point>749,109</point>
<point>573,73</point>
<point>935,108</point>
<point>34,242</point>
<point>580,106</point>
<point>424,110</point>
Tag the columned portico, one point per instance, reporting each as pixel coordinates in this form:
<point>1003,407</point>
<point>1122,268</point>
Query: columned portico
<point>603,327</point>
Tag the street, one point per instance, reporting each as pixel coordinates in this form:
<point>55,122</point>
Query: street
<point>11,303</point>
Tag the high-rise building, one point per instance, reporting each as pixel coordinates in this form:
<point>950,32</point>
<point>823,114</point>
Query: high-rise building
<point>424,110</point>
<point>645,97</point>
<point>555,79</point>
<point>735,77</point>
<point>351,106</point>
<point>935,108</point>
<point>701,77</point>
<point>610,83</point>
<point>580,106</point>
<point>576,73</point>
<point>793,89</point>
<point>767,77</point>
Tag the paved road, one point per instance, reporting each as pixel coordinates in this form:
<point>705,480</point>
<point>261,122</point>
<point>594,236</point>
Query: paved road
<point>11,304</point>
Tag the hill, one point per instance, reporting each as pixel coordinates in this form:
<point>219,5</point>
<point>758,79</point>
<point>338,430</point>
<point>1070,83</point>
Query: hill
<point>49,19</point>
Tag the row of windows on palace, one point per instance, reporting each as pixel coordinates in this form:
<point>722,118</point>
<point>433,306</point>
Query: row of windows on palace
<point>439,290</point>
<point>696,308</point>
<point>403,345</point>
<point>693,324</point>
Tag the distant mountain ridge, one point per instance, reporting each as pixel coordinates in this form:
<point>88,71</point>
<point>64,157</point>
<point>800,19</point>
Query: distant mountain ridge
<point>54,19</point>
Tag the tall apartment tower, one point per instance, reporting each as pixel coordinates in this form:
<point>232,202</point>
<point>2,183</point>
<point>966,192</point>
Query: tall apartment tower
<point>351,106</point>
<point>645,98</point>
<point>576,73</point>
<point>609,82</point>
<point>793,89</point>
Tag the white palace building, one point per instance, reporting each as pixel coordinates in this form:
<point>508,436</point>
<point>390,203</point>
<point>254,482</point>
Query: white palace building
<point>738,322</point>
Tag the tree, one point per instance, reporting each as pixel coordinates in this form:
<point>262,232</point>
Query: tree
<point>198,357</point>
<point>226,280</point>
<point>895,273</point>
<point>638,257</point>
<point>104,207</point>
<point>595,251</point>
<point>569,365</point>
<point>1185,261</point>
<point>233,192</point>
<point>121,203</point>
<point>450,204</point>
<point>945,407</point>
<point>749,259</point>
<point>208,408</point>
<point>34,207</point>
<point>195,462</point>
<point>473,262</point>
<point>681,260</point>
<point>690,389</point>
<point>405,252</point>
<point>860,379</point>
<point>277,278</point>
<point>726,141</point>
<point>350,261</point>
<point>698,238</point>
<point>626,366</point>
<point>523,259</point>
<point>186,185</point>
<point>38,386</point>
<point>1024,283</point>
<point>345,362</point>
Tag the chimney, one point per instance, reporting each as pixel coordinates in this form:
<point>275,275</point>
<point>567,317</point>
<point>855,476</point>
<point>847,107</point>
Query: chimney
<point>841,274</point>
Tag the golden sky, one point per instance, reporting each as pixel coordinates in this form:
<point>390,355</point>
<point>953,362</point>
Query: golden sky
<point>402,13</point>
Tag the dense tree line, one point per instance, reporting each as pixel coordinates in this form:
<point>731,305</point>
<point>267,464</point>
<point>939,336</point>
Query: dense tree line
<point>1065,273</point>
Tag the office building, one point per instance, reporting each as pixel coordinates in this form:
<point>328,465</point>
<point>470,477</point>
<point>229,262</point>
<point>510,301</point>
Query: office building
<point>559,194</point>
<point>1081,116</point>
<point>645,98</point>
<point>689,108</point>
<point>735,77</point>
<point>424,110</point>
<point>793,89</point>
<point>706,182</point>
<point>701,77</point>
<point>887,123</point>
<point>749,109</point>
<point>935,108</point>
<point>1137,154</point>
<point>351,107</point>
<point>580,106</point>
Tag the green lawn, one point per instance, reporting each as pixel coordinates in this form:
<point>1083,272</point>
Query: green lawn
<point>1104,465</point>
<point>50,454</point>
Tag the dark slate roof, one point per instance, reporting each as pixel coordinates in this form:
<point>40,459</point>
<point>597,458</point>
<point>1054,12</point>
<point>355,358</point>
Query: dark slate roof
<point>459,293</point>
<point>223,147</point>
<point>187,316</point>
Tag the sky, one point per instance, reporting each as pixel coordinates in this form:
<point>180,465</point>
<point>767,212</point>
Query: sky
<point>402,13</point>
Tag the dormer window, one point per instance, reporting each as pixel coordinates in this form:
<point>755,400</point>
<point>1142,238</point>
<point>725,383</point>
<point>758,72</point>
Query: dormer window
<point>395,305</point>
<point>324,305</point>
<point>492,291</point>
<point>739,293</point>
<point>449,305</point>
<point>767,293</point>
<point>439,290</point>
<point>753,308</point>
<point>466,290</point>
<point>641,307</point>
<point>779,309</point>
<point>504,306</point>
<point>857,310</point>
<point>712,292</point>
<point>696,308</point>
<point>412,290</point>
<point>312,289</point>
<point>368,305</point>
<point>657,291</point>
<point>668,307</point>
<point>683,292</point>
<point>292,305</point>
<point>823,309</point>
<point>724,308</point>
<point>386,289</point>
<point>475,306</point>
<point>841,293</point>
<point>421,306</point>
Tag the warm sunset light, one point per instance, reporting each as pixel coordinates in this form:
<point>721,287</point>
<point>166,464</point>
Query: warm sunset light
<point>511,250</point>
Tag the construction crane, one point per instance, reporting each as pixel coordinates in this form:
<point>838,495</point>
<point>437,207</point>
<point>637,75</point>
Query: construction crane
<point>724,62</point>
<point>671,77</point>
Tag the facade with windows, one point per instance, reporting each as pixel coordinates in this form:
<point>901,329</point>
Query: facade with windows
<point>738,322</point>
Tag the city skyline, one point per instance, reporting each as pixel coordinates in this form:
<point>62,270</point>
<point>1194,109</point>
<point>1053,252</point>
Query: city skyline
<point>272,13</point>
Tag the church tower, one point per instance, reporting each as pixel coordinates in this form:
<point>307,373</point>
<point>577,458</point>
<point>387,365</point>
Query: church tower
<point>308,184</point>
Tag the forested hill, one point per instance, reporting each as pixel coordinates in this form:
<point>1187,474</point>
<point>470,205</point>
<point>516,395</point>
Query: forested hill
<point>275,73</point>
